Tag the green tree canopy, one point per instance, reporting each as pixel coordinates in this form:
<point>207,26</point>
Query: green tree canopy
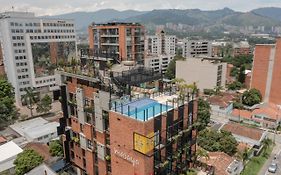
<point>239,61</point>
<point>212,141</point>
<point>8,111</point>
<point>251,97</point>
<point>171,70</point>
<point>44,105</point>
<point>236,85</point>
<point>203,114</point>
<point>26,161</point>
<point>55,148</point>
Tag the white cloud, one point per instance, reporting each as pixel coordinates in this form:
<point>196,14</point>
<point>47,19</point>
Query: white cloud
<point>53,7</point>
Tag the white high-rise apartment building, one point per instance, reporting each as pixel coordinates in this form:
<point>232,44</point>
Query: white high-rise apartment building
<point>32,47</point>
<point>161,49</point>
<point>161,43</point>
<point>196,48</point>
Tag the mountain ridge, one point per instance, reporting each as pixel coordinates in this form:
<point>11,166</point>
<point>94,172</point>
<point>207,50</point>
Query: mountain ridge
<point>194,17</point>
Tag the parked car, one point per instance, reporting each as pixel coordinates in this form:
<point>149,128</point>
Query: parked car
<point>272,168</point>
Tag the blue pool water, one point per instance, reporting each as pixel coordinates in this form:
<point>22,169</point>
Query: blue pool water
<point>143,109</point>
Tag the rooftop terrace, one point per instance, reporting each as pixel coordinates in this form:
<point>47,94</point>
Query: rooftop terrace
<point>146,107</point>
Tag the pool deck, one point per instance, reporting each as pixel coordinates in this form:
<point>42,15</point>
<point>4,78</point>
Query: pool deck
<point>146,108</point>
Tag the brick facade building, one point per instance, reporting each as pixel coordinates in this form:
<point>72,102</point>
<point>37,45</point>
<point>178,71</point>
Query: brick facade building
<point>122,41</point>
<point>106,134</point>
<point>266,71</point>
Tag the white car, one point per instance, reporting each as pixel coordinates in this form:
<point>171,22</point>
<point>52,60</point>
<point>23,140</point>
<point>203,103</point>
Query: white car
<point>272,168</point>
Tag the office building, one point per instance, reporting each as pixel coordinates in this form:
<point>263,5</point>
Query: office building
<point>207,73</point>
<point>266,71</point>
<point>161,44</point>
<point>121,41</point>
<point>196,48</point>
<point>32,47</point>
<point>120,128</point>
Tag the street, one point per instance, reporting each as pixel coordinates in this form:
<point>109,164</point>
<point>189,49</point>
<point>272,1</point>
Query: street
<point>276,152</point>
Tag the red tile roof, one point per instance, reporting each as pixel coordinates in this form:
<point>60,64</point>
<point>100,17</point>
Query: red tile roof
<point>242,146</point>
<point>220,161</point>
<point>222,100</point>
<point>3,139</point>
<point>41,149</point>
<point>237,129</point>
<point>242,113</point>
<point>269,110</point>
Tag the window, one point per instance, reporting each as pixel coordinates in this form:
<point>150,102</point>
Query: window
<point>89,144</point>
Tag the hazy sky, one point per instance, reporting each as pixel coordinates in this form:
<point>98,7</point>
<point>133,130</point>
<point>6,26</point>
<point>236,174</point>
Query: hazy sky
<point>53,7</point>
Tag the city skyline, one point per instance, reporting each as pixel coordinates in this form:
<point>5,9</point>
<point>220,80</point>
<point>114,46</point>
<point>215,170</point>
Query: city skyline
<point>60,7</point>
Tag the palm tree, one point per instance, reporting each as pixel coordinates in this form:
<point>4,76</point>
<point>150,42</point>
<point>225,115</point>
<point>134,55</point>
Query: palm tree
<point>201,153</point>
<point>266,143</point>
<point>29,98</point>
<point>218,89</point>
<point>244,156</point>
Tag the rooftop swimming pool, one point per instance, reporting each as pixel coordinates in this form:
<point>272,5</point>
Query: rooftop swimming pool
<point>143,109</point>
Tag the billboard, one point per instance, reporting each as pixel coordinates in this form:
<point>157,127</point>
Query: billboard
<point>144,144</point>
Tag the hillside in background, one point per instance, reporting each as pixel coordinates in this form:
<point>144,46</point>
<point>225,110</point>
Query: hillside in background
<point>271,12</point>
<point>84,19</point>
<point>209,20</point>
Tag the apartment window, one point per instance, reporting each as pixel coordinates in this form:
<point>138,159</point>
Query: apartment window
<point>89,144</point>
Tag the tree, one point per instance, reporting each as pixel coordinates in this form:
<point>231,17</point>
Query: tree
<point>245,155</point>
<point>218,89</point>
<point>29,99</point>
<point>55,148</point>
<point>8,111</point>
<point>171,70</point>
<point>26,161</point>
<point>242,76</point>
<point>236,85</point>
<point>266,143</point>
<point>203,114</point>
<point>211,140</point>
<point>251,97</point>
<point>44,105</point>
<point>201,153</point>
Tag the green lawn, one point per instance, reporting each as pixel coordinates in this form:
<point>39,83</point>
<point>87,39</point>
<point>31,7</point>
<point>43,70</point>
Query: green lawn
<point>256,163</point>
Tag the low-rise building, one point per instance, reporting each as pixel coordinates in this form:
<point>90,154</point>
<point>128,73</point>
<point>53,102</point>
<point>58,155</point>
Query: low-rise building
<point>265,115</point>
<point>8,154</point>
<point>37,130</point>
<point>223,163</point>
<point>207,73</point>
<point>252,137</point>
<point>222,104</point>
